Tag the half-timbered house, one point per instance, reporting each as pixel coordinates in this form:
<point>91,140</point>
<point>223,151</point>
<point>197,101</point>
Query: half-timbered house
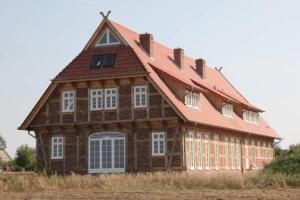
<point>128,103</point>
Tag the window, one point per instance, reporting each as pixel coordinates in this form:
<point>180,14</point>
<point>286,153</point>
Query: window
<point>253,151</point>
<point>207,151</point>
<point>158,144</point>
<point>140,96</point>
<point>232,153</point>
<point>96,99</point>
<point>106,152</point>
<point>192,100</point>
<point>68,101</point>
<point>108,38</point>
<point>251,116</point>
<point>226,152</point>
<point>247,154</point>
<point>190,149</point>
<point>103,60</point>
<point>57,150</point>
<point>264,150</point>
<point>227,110</point>
<point>217,159</point>
<point>258,150</point>
<point>199,149</point>
<point>238,146</point>
<point>111,101</point>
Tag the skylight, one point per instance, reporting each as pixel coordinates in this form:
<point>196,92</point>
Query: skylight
<point>103,60</point>
<point>108,38</point>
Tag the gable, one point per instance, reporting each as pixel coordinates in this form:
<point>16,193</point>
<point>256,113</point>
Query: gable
<point>107,38</point>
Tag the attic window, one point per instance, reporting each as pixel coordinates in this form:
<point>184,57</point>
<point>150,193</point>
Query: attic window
<point>103,60</point>
<point>251,116</point>
<point>108,38</point>
<point>227,110</point>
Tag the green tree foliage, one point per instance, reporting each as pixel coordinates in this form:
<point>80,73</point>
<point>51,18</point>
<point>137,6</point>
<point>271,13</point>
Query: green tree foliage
<point>2,142</point>
<point>287,162</point>
<point>25,158</point>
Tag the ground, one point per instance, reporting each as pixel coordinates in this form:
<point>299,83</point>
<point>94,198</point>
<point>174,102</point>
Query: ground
<point>188,195</point>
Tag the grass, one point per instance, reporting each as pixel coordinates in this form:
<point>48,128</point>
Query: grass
<point>145,182</point>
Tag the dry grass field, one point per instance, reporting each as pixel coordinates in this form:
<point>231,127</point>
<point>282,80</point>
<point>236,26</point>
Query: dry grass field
<point>169,186</point>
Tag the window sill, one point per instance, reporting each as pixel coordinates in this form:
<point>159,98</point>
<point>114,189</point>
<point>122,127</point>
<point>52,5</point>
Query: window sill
<point>158,156</point>
<point>57,159</point>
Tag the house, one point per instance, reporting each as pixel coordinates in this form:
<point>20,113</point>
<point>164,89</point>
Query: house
<point>4,156</point>
<point>128,103</point>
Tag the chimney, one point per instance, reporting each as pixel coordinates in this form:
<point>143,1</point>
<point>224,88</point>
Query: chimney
<point>201,67</point>
<point>146,40</point>
<point>178,57</point>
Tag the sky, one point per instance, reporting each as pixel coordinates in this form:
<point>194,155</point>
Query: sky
<point>256,42</point>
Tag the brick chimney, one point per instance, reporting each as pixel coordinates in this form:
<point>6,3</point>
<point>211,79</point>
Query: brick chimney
<point>179,57</point>
<point>201,67</point>
<point>146,41</point>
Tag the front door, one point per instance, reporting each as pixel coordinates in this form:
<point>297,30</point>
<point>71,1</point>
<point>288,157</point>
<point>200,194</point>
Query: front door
<point>106,153</point>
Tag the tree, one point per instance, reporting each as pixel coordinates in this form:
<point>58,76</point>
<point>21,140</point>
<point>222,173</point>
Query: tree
<point>2,142</point>
<point>25,158</point>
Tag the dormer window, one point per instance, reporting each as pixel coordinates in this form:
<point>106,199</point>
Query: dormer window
<point>103,60</point>
<point>192,100</point>
<point>108,38</point>
<point>227,110</point>
<point>251,116</point>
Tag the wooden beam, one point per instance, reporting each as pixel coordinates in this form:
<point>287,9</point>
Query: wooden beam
<point>135,155</point>
<point>173,146</point>
<point>43,151</point>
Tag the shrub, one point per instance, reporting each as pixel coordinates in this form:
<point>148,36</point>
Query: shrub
<point>286,163</point>
<point>25,158</point>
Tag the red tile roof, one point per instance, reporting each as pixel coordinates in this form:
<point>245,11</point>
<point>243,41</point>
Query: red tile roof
<point>133,60</point>
<point>162,60</point>
<point>126,64</point>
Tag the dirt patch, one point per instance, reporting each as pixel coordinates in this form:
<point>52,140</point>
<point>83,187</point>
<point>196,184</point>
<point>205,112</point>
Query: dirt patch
<point>169,195</point>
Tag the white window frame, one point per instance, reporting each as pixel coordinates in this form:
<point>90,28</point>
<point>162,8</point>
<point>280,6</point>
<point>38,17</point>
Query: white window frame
<point>207,150</point>
<point>69,100</point>
<point>56,145</point>
<point>238,154</point>
<point>247,153</point>
<point>112,137</point>
<point>96,96</point>
<point>158,140</point>
<point>251,116</point>
<point>233,157</point>
<point>192,100</point>
<point>108,43</point>
<point>227,110</point>
<point>226,152</point>
<point>199,150</point>
<point>217,151</point>
<point>140,94</point>
<point>191,149</point>
<point>110,96</point>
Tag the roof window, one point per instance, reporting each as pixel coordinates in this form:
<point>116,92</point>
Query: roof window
<point>103,60</point>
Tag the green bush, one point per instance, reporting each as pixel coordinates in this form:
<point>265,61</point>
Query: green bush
<point>25,159</point>
<point>287,163</point>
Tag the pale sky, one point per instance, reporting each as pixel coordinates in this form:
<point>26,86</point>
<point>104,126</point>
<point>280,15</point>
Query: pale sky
<point>257,42</point>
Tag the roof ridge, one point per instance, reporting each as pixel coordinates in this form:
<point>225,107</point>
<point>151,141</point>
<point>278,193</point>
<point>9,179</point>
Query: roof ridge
<point>232,85</point>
